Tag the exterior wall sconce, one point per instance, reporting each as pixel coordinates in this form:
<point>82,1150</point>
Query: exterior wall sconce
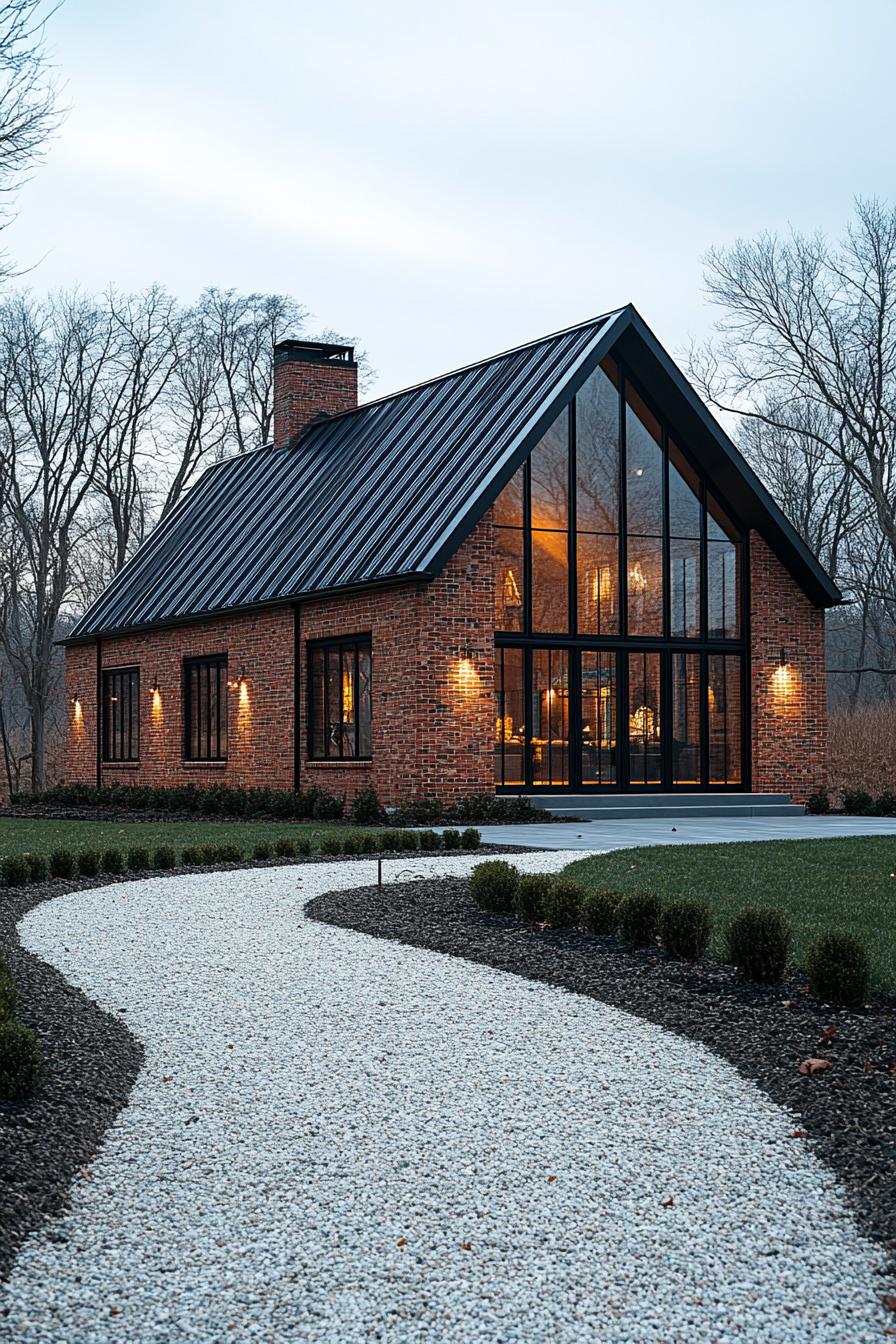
<point>155,688</point>
<point>77,710</point>
<point>76,699</point>
<point>782,661</point>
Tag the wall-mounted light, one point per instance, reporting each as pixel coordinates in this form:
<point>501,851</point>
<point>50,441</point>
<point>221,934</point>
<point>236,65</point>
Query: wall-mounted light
<point>76,699</point>
<point>155,689</point>
<point>782,661</point>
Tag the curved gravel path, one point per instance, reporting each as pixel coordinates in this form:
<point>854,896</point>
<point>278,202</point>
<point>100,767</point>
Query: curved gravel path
<point>340,1139</point>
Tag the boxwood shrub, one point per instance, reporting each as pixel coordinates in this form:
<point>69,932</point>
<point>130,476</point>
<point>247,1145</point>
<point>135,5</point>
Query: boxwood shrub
<point>88,862</point>
<point>451,838</point>
<point>759,944</point>
<point>430,840</point>
<point>62,863</point>
<point>164,857</point>
<point>600,911</point>
<point>531,896</point>
<point>38,867</point>
<point>639,917</point>
<point>563,902</point>
<point>685,928</point>
<point>262,850</point>
<point>285,848</point>
<point>838,969</point>
<point>112,860</point>
<point>138,859</point>
<point>494,887</point>
<point>470,838</point>
<point>15,870</point>
<point>21,1062</point>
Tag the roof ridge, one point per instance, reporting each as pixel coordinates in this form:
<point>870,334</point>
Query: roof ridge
<point>467,368</point>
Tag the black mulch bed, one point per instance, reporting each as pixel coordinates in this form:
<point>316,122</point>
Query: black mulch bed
<point>91,1061</point>
<point>848,1112</point>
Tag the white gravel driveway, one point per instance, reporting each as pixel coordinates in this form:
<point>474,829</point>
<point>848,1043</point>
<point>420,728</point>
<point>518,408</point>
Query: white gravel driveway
<point>340,1139</point>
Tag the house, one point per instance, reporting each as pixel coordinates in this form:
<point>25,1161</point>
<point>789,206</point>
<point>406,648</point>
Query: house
<point>548,572</point>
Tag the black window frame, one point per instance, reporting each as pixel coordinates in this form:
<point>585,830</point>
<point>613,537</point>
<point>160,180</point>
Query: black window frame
<point>206,663</point>
<point>344,644</point>
<point>121,685</point>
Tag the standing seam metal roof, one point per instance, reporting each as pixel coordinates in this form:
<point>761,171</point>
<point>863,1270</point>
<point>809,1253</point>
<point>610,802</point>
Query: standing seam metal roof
<point>365,497</point>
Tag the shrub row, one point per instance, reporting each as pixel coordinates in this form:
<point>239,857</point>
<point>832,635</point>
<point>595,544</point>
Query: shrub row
<point>312,804</point>
<point>19,870</point>
<point>855,802</point>
<point>758,941</point>
<point>21,1058</point>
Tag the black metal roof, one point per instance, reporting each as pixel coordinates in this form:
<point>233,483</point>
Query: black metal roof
<point>386,493</point>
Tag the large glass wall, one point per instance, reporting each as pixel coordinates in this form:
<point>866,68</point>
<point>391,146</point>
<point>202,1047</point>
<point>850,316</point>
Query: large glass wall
<point>619,591</point>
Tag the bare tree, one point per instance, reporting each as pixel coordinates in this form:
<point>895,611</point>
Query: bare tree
<point>52,359</point>
<point>28,96</point>
<point>807,346</point>
<point>805,355</point>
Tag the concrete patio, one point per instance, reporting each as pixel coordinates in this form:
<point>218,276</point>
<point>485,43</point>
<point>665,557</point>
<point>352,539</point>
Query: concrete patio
<point>682,831</point>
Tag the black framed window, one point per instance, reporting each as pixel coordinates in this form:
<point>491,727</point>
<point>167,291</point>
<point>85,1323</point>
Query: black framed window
<point>205,708</point>
<point>339,699</point>
<point>121,714</point>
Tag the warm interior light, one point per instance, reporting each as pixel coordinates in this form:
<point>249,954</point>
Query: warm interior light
<point>510,591</point>
<point>637,579</point>
<point>643,722</point>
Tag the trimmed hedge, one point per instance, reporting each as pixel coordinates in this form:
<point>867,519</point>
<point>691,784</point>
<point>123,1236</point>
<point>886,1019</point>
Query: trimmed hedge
<point>531,896</point>
<point>313,804</point>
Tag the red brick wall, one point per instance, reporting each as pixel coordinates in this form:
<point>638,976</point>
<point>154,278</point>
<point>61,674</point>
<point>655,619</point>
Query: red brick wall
<point>260,721</point>
<point>789,705</point>
<point>305,388</point>
<point>432,709</point>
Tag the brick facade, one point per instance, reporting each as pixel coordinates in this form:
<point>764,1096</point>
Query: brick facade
<point>432,684</point>
<point>432,688</point>
<point>789,704</point>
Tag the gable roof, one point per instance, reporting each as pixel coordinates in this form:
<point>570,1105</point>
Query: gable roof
<point>387,492</point>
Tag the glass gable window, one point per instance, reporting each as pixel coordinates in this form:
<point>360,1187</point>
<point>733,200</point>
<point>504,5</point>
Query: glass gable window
<point>619,592</point>
<point>121,714</point>
<point>339,695</point>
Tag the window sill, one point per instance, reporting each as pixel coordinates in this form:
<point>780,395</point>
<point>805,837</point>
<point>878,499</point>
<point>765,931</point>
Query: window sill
<point>120,765</point>
<point>204,765</point>
<point>349,763</point>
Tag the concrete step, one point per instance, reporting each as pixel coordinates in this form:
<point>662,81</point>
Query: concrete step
<point>640,807</point>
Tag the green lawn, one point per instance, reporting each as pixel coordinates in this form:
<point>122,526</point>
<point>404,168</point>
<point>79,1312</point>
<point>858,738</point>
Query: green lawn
<point>33,834</point>
<point>819,884</point>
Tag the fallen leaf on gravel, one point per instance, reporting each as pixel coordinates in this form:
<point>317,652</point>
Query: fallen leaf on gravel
<point>551,1178</point>
<point>402,1241</point>
<point>667,1203</point>
<point>115,1311</point>
<point>890,1301</point>
<point>466,1245</point>
<point>810,1066</point>
<point>788,1003</point>
<point>798,1134</point>
<point>167,1077</point>
<point>828,1034</point>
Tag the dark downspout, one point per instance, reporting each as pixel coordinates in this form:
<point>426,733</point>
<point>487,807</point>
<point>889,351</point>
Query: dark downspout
<point>297,698</point>
<point>99,713</point>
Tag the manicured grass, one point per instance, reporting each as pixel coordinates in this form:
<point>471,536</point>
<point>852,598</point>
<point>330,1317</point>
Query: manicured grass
<point>18,834</point>
<point>819,884</point>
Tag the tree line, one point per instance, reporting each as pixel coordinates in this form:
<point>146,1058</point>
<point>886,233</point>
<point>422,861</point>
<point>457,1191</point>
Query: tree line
<point>110,407</point>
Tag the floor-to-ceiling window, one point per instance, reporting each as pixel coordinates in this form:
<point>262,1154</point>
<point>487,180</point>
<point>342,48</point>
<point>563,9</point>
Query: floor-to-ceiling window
<point>619,607</point>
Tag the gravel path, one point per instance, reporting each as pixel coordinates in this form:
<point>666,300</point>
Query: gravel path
<point>340,1139</point>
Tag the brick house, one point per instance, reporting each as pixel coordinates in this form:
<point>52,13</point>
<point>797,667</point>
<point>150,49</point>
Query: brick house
<point>549,572</point>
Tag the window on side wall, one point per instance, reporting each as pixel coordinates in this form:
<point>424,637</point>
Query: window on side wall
<point>121,714</point>
<point>205,708</point>
<point>339,699</point>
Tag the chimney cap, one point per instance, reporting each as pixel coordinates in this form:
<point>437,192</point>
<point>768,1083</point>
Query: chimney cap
<point>313,352</point>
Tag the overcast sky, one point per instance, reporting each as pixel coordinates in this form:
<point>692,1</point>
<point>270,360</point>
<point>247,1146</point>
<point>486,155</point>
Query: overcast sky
<point>444,182</point>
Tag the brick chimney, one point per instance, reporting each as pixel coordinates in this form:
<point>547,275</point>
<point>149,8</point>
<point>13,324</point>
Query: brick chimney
<point>311,378</point>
